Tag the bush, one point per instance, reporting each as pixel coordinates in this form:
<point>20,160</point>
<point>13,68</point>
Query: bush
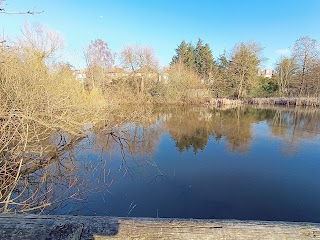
<point>183,86</point>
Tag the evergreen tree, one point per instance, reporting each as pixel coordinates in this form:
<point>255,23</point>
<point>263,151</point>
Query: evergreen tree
<point>223,62</point>
<point>223,84</point>
<point>209,64</point>
<point>189,60</point>
<point>184,55</point>
<point>198,55</point>
<point>198,58</point>
<point>204,63</point>
<point>181,52</point>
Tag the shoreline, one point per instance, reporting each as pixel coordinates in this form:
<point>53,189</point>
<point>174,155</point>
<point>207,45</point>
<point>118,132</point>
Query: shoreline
<point>267,101</point>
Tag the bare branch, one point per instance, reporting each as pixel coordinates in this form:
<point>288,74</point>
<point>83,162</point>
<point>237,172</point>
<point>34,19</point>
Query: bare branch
<point>19,13</point>
<point>3,11</point>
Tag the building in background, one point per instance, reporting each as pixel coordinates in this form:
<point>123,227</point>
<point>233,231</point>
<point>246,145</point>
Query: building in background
<point>267,73</point>
<point>80,75</point>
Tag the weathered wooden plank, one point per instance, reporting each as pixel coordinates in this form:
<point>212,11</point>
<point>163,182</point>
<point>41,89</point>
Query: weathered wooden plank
<point>102,228</point>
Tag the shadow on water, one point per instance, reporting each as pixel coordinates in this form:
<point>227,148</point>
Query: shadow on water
<point>242,163</point>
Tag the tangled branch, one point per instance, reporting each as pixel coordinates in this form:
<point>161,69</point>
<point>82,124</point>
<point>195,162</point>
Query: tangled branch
<point>3,11</point>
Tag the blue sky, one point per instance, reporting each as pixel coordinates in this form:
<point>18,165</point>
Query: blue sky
<point>163,24</point>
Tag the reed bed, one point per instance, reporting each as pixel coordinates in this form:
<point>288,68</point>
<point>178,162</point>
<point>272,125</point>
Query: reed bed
<point>272,101</point>
<point>220,102</point>
<point>285,101</point>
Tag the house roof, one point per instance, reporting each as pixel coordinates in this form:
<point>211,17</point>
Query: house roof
<point>117,70</point>
<point>146,69</point>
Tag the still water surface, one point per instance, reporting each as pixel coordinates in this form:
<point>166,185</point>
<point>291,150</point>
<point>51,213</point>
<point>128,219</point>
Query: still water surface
<point>258,164</point>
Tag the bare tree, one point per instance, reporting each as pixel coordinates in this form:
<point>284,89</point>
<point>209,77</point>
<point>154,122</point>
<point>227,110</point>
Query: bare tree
<point>141,61</point>
<point>99,61</point>
<point>315,76</point>
<point>99,54</point>
<point>40,41</point>
<point>245,60</point>
<point>134,57</point>
<point>307,54</point>
<point>285,69</point>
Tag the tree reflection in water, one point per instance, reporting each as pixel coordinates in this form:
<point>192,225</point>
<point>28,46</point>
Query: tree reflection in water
<point>90,165</point>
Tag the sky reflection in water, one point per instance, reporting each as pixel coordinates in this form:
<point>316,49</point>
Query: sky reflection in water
<point>243,163</point>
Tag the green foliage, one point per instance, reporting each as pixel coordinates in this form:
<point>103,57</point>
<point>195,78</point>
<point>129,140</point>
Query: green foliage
<point>265,87</point>
<point>198,58</point>
<point>223,62</point>
<point>184,55</point>
<point>269,86</point>
<point>236,74</point>
<point>204,62</point>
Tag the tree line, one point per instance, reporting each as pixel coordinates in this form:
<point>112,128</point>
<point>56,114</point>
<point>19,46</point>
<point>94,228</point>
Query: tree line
<point>235,73</point>
<point>193,73</point>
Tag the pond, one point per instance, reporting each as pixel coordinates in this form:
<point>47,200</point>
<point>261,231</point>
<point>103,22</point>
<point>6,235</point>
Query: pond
<point>244,163</point>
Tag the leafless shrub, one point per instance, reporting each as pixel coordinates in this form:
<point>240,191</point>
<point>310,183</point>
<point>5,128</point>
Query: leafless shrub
<point>35,104</point>
<point>182,86</point>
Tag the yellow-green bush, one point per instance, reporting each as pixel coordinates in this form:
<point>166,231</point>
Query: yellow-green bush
<point>182,86</point>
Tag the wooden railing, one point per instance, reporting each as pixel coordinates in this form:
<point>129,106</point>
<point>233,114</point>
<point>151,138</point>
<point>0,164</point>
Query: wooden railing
<point>87,227</point>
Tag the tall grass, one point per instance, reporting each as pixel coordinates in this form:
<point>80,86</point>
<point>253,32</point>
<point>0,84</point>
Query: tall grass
<point>272,101</point>
<point>286,101</point>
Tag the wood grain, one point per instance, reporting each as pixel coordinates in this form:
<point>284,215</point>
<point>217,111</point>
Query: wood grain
<point>37,227</point>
